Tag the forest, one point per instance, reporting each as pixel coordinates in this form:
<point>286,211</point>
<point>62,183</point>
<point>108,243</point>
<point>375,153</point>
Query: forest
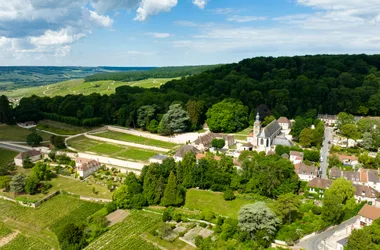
<point>163,72</point>
<point>283,86</point>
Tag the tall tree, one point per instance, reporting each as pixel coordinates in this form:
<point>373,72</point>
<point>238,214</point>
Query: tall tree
<point>176,120</point>
<point>344,119</point>
<point>144,115</point>
<point>34,139</point>
<point>227,116</point>
<point>6,112</point>
<point>350,131</point>
<point>287,206</point>
<point>17,183</point>
<point>170,195</point>
<point>195,109</point>
<point>259,221</point>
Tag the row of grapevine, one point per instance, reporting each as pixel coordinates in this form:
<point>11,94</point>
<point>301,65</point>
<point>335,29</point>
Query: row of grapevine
<point>4,230</point>
<point>126,234</point>
<point>80,214</point>
<point>24,242</point>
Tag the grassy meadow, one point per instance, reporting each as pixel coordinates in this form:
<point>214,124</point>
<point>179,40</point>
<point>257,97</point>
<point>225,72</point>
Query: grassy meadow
<point>15,133</point>
<point>6,156</point>
<point>78,86</point>
<point>207,200</point>
<point>83,144</point>
<point>136,139</point>
<point>60,128</point>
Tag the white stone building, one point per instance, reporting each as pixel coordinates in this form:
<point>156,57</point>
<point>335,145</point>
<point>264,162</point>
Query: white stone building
<point>86,167</point>
<point>34,155</point>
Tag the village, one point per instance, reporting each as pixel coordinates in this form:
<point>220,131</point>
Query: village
<point>318,175</point>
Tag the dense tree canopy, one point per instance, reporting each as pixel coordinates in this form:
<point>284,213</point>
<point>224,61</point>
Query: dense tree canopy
<point>283,86</point>
<point>227,116</point>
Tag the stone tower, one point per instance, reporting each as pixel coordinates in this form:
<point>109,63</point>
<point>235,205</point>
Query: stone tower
<point>256,130</point>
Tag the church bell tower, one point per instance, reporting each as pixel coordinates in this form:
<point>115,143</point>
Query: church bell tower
<point>256,130</point>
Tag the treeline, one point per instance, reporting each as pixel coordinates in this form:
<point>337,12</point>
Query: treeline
<point>285,86</point>
<point>163,72</point>
<point>166,183</point>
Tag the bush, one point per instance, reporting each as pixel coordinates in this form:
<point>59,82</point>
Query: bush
<point>177,217</point>
<point>198,240</point>
<point>202,224</point>
<point>207,214</point>
<point>111,207</point>
<point>34,139</point>
<point>228,195</point>
<point>166,216</point>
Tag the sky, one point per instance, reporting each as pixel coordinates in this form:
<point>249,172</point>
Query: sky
<point>181,32</point>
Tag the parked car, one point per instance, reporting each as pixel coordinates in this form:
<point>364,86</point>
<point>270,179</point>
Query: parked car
<point>321,158</point>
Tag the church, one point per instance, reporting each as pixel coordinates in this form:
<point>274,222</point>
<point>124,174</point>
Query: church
<point>265,139</point>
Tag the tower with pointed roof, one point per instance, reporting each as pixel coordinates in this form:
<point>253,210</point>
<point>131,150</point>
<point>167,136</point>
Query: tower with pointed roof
<point>256,130</point>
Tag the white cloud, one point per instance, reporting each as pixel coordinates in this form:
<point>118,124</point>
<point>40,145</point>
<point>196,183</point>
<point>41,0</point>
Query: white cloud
<point>100,20</point>
<point>134,52</point>
<point>153,7</point>
<point>159,35</point>
<point>225,11</point>
<point>200,3</point>
<point>245,19</point>
<point>185,23</point>
<point>51,37</point>
<point>103,6</point>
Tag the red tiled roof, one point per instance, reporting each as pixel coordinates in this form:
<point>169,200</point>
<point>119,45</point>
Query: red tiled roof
<point>283,120</point>
<point>370,212</point>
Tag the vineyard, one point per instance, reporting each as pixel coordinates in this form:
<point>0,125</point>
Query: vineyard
<point>45,215</point>
<point>80,214</point>
<point>24,242</point>
<point>6,156</point>
<point>4,230</point>
<point>127,234</point>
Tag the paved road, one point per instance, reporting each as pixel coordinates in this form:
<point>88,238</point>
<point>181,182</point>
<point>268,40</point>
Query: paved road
<point>14,147</point>
<point>325,151</point>
<point>313,242</point>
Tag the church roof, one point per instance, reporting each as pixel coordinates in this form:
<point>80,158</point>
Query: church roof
<point>282,141</point>
<point>271,129</point>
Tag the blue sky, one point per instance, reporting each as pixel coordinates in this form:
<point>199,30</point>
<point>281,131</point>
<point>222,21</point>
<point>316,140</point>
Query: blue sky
<point>181,32</point>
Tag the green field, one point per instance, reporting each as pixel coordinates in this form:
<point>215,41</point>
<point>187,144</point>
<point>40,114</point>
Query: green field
<point>6,156</point>
<point>60,128</point>
<point>15,133</point>
<point>83,144</point>
<point>36,223</point>
<point>78,86</point>
<point>81,188</point>
<point>26,242</point>
<point>201,200</point>
<point>128,233</point>
<point>136,139</point>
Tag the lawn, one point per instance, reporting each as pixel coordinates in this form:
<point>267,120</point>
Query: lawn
<point>244,132</point>
<point>60,128</point>
<point>15,133</point>
<point>81,188</point>
<point>151,82</point>
<point>201,200</point>
<point>136,139</point>
<point>128,233</point>
<point>6,156</point>
<point>83,144</point>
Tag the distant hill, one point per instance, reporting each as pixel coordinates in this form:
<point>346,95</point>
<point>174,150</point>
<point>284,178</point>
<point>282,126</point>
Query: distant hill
<point>22,76</point>
<point>163,72</point>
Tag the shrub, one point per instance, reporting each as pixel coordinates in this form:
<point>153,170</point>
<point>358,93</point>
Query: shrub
<point>198,240</point>
<point>166,216</point>
<point>208,214</point>
<point>177,217</point>
<point>202,224</point>
<point>228,195</point>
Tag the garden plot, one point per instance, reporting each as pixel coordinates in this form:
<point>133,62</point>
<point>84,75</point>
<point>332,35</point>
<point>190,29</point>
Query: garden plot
<point>190,236</point>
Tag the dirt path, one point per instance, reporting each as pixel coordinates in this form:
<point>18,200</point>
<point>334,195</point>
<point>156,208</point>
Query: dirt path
<point>5,240</point>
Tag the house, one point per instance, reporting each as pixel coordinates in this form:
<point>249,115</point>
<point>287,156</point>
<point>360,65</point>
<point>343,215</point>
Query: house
<point>283,141</point>
<point>262,138</point>
<point>305,172</point>
<point>284,123</point>
<point>204,142</point>
<point>158,158</point>
<point>296,157</point>
<point>183,150</point>
<point>342,243</point>
<point>201,156</point>
<point>347,160</point>
<point>364,193</point>
<point>318,186</point>
<point>247,146</point>
<point>367,215</point>
<point>28,124</point>
<point>86,167</point>
<point>366,177</point>
<point>328,119</point>
<point>34,155</point>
